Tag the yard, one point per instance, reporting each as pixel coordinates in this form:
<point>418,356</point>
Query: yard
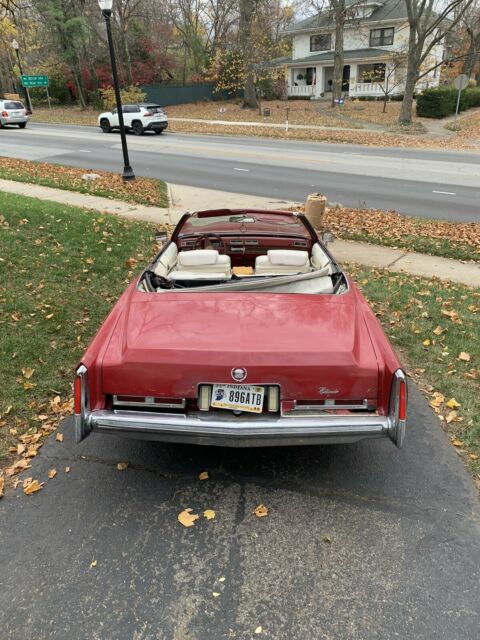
<point>357,122</point>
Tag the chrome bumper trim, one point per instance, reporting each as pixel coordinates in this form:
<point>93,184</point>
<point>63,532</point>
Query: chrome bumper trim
<point>238,432</point>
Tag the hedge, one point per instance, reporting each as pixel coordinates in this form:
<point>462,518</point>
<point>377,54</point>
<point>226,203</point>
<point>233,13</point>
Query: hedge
<point>442,101</point>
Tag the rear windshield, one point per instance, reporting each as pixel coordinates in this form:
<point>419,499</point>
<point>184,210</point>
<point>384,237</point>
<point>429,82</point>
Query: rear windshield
<point>13,105</point>
<point>155,108</point>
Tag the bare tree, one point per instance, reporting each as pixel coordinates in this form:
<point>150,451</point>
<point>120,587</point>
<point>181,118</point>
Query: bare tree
<point>428,22</point>
<point>471,26</point>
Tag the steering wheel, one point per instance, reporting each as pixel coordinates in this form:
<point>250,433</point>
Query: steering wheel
<point>204,238</point>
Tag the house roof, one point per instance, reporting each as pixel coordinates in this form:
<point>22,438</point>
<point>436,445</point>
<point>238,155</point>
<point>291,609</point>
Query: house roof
<point>352,54</point>
<point>383,10</point>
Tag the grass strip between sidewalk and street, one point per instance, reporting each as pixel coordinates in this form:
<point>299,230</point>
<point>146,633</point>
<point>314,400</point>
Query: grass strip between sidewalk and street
<point>146,191</point>
<point>62,269</point>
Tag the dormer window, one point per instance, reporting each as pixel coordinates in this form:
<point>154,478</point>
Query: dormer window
<point>381,37</point>
<point>321,42</point>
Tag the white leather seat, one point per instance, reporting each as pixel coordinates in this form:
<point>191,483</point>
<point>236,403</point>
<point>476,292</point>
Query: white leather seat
<point>167,261</point>
<point>319,260</point>
<point>201,264</point>
<point>282,262</point>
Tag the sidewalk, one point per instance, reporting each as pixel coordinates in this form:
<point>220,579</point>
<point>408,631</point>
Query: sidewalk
<point>183,198</point>
<point>271,125</point>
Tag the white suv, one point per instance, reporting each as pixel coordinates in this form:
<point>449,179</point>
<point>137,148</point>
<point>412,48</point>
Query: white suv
<point>136,117</point>
<point>13,112</point>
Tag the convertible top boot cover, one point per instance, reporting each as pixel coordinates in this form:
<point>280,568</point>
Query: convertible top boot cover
<point>314,347</point>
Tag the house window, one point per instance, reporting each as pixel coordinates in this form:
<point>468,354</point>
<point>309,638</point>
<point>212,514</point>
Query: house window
<point>371,72</point>
<point>322,42</point>
<point>381,37</point>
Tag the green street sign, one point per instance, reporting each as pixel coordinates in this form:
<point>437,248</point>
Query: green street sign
<point>34,81</point>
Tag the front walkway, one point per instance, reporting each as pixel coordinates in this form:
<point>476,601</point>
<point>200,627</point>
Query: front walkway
<point>184,198</point>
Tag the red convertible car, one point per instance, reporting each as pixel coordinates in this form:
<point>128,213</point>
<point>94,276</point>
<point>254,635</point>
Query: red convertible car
<point>243,331</point>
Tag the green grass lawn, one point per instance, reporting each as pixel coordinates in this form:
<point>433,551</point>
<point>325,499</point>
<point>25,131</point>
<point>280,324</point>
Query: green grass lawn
<point>63,268</point>
<point>147,191</point>
<point>431,323</point>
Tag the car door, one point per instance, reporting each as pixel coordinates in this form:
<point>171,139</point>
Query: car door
<point>114,118</point>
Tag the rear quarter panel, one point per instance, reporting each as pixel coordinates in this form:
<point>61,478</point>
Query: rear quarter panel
<point>387,359</point>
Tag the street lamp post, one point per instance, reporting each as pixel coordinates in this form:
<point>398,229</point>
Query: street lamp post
<point>106,7</point>
<point>16,46</point>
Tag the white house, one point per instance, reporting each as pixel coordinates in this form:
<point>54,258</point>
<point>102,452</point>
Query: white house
<point>375,37</point>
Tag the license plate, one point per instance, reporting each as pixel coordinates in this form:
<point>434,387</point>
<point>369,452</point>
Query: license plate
<point>238,397</point>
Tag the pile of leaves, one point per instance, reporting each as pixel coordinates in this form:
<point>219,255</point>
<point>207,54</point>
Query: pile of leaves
<point>147,191</point>
<point>61,270</point>
<point>436,237</point>
<point>434,325</point>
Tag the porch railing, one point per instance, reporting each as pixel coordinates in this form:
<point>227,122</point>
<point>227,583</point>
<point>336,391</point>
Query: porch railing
<point>301,90</point>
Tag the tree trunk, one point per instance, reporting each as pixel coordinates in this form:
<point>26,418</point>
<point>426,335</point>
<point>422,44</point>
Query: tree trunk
<point>339,16</point>
<point>247,11</point>
<point>128,59</point>
<point>414,47</point>
<point>472,56</point>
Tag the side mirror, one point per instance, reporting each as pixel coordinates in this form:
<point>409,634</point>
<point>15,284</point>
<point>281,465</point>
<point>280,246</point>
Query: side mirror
<point>327,237</point>
<point>160,236</point>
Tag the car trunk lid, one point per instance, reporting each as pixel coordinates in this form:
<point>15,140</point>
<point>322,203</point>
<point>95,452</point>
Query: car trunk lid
<point>314,347</point>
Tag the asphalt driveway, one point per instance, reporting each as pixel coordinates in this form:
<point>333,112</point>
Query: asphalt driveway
<point>362,541</point>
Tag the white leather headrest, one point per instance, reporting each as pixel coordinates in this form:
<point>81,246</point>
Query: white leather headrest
<point>287,257</point>
<point>197,257</point>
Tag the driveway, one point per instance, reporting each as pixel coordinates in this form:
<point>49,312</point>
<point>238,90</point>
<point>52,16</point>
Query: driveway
<point>362,541</point>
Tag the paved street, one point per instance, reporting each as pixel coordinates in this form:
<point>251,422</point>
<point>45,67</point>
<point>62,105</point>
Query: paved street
<point>362,542</point>
<point>439,184</point>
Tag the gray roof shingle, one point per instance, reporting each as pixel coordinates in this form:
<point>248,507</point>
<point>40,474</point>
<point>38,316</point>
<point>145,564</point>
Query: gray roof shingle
<point>352,54</point>
<point>388,10</point>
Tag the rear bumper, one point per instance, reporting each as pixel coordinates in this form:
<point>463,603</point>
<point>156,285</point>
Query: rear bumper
<point>157,126</point>
<point>237,432</point>
<point>13,120</point>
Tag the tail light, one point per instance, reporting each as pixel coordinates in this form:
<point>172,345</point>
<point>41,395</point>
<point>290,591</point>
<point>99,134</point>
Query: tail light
<point>402,400</point>
<point>82,427</point>
<point>398,407</point>
<point>5,114</point>
<point>148,114</point>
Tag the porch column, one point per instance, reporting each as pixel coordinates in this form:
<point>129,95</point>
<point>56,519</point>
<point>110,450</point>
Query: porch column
<point>353,78</point>
<point>320,86</point>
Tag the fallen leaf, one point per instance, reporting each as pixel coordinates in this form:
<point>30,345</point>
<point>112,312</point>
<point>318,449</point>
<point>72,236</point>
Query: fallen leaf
<point>438,331</point>
<point>121,466</point>
<point>93,564</point>
<point>261,511</point>
<point>203,475</point>
<point>17,466</point>
<point>28,372</point>
<point>187,518</point>
<point>52,473</point>
<point>473,456</point>
<point>452,403</point>
<point>215,594</point>
<point>67,469</point>
<point>209,514</point>
<point>450,417</point>
<point>258,630</point>
<point>222,579</point>
<point>59,437</point>
<point>32,487</point>
<point>464,356</point>
<point>426,342</point>
<point>457,443</point>
<point>327,539</point>
<point>2,487</point>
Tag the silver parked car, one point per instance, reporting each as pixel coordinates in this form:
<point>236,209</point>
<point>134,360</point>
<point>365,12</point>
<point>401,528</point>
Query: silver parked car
<point>13,112</point>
